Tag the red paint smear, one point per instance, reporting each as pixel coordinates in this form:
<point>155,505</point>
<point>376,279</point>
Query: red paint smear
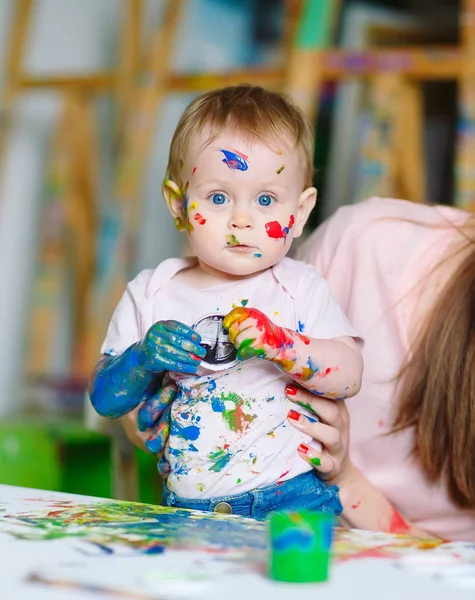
<point>356,505</point>
<point>193,172</point>
<point>272,335</point>
<point>56,513</point>
<point>239,154</point>
<point>327,371</point>
<point>304,339</point>
<point>380,423</point>
<point>276,231</point>
<point>397,524</point>
<point>226,446</point>
<point>377,552</point>
<point>201,220</point>
<point>283,474</point>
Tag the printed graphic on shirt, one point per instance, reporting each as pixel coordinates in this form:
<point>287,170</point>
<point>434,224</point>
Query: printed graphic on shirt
<point>220,352</point>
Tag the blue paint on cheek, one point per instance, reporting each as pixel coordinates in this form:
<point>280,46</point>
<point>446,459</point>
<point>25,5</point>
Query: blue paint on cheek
<point>217,405</point>
<point>189,433</point>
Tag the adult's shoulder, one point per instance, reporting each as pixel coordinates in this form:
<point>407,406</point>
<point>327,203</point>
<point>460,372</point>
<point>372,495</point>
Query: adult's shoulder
<point>381,229</point>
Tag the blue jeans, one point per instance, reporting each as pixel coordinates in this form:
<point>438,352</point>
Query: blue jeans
<point>304,492</point>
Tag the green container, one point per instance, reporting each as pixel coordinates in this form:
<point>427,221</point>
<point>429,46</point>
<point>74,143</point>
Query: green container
<point>300,546</point>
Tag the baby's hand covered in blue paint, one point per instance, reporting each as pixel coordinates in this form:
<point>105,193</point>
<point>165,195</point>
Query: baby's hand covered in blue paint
<point>170,346</point>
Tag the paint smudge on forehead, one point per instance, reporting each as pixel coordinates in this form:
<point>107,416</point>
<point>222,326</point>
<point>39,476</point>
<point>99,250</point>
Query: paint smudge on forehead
<point>235,160</point>
<point>231,240</point>
<point>280,169</point>
<point>275,230</point>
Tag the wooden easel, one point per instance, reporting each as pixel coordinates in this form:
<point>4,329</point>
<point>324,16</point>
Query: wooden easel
<point>402,166</point>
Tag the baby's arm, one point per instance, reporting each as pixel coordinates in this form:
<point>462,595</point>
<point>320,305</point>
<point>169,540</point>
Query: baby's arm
<point>120,383</point>
<point>327,367</point>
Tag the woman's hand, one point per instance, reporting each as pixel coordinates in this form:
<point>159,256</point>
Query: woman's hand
<point>331,430</point>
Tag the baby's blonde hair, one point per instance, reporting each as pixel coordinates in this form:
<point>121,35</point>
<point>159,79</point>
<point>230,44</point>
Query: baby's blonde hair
<point>251,111</point>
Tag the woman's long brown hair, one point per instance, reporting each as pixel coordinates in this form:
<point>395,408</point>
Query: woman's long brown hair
<point>437,386</point>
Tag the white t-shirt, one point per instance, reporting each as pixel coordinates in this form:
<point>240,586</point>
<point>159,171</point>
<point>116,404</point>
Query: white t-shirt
<point>229,431</point>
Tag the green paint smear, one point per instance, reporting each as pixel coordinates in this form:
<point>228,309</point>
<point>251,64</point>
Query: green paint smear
<point>143,528</point>
<point>244,302</point>
<point>231,240</point>
<point>307,406</point>
<point>236,419</point>
<point>246,351</point>
<point>220,459</point>
<point>316,462</point>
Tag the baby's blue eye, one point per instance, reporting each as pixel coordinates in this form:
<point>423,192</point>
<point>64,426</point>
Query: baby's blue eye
<point>265,200</point>
<point>218,199</point>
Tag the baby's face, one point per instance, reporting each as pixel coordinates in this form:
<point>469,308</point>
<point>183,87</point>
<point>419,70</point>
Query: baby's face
<point>245,202</point>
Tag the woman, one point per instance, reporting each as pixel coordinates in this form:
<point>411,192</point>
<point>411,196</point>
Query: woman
<point>404,273</point>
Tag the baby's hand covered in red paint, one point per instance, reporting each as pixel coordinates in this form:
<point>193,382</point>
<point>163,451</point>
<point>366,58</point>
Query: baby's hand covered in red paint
<point>254,334</point>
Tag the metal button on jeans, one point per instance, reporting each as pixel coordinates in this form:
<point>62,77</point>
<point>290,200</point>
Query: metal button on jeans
<point>223,507</point>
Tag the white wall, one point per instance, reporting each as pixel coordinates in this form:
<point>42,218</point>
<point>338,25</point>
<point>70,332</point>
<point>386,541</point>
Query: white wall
<point>72,35</point>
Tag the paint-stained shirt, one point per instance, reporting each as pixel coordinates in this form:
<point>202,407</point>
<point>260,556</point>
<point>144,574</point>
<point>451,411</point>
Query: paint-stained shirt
<point>376,256</point>
<point>229,431</point>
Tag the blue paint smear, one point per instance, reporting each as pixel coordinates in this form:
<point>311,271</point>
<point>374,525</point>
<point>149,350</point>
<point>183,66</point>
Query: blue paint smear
<point>294,538</point>
<point>301,326</point>
<point>312,365</point>
<point>192,448</point>
<point>311,419</point>
<point>189,433</point>
<point>157,549</point>
<point>217,405</point>
<point>185,205</point>
<point>211,385</point>
<point>234,161</point>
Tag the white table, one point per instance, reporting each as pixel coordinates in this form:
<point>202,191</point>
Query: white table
<point>198,561</point>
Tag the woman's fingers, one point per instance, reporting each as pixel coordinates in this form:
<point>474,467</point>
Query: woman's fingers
<point>323,462</point>
<point>328,435</point>
<point>328,411</point>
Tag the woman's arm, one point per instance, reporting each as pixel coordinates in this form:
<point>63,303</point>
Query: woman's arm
<point>364,506</point>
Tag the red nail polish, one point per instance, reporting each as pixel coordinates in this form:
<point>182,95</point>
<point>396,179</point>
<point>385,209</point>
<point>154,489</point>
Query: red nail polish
<point>290,390</point>
<point>303,448</point>
<point>294,415</point>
